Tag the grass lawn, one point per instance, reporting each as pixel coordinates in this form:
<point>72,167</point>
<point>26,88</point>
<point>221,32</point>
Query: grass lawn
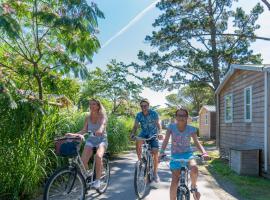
<point>250,188</point>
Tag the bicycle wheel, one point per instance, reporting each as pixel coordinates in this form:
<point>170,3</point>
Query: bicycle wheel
<point>183,193</point>
<point>140,179</point>
<point>150,169</point>
<point>66,184</point>
<point>105,176</point>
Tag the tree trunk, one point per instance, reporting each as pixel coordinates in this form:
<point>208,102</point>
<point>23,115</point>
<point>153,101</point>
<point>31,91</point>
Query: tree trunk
<point>214,54</point>
<point>39,82</point>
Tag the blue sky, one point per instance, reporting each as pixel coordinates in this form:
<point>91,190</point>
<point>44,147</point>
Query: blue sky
<point>135,18</point>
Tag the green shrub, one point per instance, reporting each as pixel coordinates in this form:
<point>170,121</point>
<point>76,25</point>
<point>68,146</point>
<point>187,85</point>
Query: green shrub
<point>26,146</point>
<point>118,130</point>
<point>27,154</point>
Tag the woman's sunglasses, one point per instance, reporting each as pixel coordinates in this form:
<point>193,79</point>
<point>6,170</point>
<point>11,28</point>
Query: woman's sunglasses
<point>182,116</point>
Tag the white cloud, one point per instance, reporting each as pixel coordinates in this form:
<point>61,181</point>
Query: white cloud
<point>131,23</point>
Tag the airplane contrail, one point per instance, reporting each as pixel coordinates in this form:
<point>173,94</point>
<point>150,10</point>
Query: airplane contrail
<point>131,23</point>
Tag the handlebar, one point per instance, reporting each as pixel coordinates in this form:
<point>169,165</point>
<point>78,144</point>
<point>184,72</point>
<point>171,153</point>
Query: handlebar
<point>146,139</point>
<point>196,157</point>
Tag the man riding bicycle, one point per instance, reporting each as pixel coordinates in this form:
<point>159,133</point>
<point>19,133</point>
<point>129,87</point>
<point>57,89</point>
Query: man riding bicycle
<point>150,125</point>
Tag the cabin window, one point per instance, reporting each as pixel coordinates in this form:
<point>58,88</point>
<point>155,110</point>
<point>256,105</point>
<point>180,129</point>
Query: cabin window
<point>248,104</point>
<point>229,108</point>
<point>206,119</point>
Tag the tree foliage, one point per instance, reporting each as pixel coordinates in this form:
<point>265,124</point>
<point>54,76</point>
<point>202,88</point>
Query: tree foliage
<point>38,38</point>
<point>113,84</point>
<point>192,97</point>
<point>195,42</point>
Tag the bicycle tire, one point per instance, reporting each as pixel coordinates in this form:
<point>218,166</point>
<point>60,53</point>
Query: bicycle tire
<point>71,173</point>
<point>150,169</point>
<point>183,193</point>
<point>140,167</point>
<point>106,166</point>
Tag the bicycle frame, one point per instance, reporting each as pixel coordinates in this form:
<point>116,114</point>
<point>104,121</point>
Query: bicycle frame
<point>77,163</point>
<point>146,154</point>
<point>184,173</point>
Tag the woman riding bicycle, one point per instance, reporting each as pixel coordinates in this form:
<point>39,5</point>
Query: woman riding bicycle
<point>181,149</point>
<point>95,123</point>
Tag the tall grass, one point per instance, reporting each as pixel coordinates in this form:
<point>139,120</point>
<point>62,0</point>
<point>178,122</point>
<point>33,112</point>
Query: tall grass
<point>26,146</point>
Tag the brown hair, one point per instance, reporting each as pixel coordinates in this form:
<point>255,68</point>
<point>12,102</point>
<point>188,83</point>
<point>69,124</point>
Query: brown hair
<point>181,109</point>
<point>145,100</point>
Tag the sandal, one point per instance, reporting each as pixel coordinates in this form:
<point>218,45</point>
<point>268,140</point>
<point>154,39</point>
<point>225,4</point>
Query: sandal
<point>195,193</point>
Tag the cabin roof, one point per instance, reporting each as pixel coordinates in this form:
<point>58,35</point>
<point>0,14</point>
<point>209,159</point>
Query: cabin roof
<point>248,67</point>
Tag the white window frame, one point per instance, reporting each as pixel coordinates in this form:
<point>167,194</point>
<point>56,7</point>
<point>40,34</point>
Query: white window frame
<point>245,104</point>
<point>225,108</point>
<point>206,119</point>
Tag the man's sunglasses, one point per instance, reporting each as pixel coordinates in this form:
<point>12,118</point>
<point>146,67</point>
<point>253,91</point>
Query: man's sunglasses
<point>144,105</point>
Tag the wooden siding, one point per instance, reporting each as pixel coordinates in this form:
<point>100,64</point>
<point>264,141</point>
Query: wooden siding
<point>207,131</point>
<point>204,129</point>
<point>213,125</point>
<point>239,132</point>
<point>268,122</point>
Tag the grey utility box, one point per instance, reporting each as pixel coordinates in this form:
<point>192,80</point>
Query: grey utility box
<point>245,161</point>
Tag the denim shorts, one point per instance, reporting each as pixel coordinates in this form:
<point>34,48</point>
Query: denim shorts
<point>96,141</point>
<point>175,165</point>
<point>153,142</point>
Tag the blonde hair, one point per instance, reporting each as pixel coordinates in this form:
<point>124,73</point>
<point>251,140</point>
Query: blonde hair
<point>101,109</point>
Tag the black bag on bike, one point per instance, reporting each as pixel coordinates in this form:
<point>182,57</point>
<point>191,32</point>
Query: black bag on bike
<point>66,147</point>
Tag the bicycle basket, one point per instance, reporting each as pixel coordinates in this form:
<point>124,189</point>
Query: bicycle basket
<point>67,147</point>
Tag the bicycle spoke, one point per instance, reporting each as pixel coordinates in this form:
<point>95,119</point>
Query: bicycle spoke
<point>60,187</point>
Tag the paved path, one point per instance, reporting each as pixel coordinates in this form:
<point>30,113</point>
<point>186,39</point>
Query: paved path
<point>121,185</point>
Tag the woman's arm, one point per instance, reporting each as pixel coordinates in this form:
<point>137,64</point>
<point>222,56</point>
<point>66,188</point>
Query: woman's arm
<point>102,127</point>
<point>165,141</point>
<point>198,144</point>
<point>84,130</point>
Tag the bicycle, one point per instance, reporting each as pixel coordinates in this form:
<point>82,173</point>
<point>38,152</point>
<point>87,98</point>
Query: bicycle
<point>73,181</point>
<point>183,192</point>
<point>144,168</point>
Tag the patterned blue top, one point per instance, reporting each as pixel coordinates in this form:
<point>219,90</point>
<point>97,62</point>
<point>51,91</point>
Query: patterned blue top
<point>148,122</point>
<point>181,140</point>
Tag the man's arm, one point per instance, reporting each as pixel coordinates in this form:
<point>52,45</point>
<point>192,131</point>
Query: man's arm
<point>158,126</point>
<point>135,127</point>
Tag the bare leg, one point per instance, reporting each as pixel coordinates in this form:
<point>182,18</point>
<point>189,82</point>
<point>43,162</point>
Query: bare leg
<point>139,149</point>
<point>194,176</point>
<point>86,155</point>
<point>155,158</point>
<point>174,184</point>
<point>99,162</point>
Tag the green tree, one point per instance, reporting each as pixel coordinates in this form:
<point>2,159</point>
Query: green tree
<point>196,95</point>
<point>58,85</point>
<point>41,38</point>
<point>113,84</point>
<point>192,97</point>
<point>194,42</point>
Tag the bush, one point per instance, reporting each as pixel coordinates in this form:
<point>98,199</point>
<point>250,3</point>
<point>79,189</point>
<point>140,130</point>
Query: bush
<point>26,133</point>
<point>27,130</point>
<point>118,130</point>
<point>27,154</point>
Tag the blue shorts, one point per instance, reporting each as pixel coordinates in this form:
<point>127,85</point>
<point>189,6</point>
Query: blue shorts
<point>174,165</point>
<point>153,143</point>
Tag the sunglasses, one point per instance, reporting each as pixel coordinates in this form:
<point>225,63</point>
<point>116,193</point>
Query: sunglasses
<point>182,116</point>
<point>144,105</point>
